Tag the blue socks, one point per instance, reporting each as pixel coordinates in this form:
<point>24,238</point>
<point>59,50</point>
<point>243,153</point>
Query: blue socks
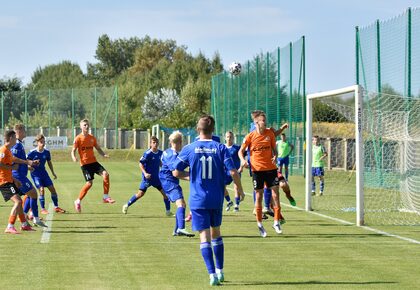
<point>267,197</point>
<point>321,186</point>
<point>207,253</point>
<point>34,206</point>
<point>219,252</point>
<point>132,200</point>
<point>54,198</point>
<point>167,204</point>
<point>237,200</point>
<point>227,197</point>
<point>26,206</point>
<point>42,201</point>
<point>180,217</point>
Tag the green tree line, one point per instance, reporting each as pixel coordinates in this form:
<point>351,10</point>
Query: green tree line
<point>139,67</point>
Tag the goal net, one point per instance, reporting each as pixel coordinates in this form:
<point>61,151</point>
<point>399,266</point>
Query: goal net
<point>372,167</point>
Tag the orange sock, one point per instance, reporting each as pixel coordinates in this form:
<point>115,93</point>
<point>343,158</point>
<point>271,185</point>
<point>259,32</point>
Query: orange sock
<point>12,219</point>
<point>84,190</point>
<point>106,184</point>
<point>22,218</point>
<point>258,211</point>
<point>277,214</point>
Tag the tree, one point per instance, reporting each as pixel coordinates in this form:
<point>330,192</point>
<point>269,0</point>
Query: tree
<point>58,76</point>
<point>160,104</point>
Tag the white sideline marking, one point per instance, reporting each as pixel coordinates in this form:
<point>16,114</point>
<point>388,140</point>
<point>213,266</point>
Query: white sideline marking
<point>46,235</point>
<point>346,222</point>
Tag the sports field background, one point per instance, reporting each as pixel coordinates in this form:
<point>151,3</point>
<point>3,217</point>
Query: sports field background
<point>101,248</point>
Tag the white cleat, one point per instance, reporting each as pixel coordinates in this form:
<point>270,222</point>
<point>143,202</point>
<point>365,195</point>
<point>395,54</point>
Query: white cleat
<point>125,208</point>
<point>277,228</point>
<point>262,231</point>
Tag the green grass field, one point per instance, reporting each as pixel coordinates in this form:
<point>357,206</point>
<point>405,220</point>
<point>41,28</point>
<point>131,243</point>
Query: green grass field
<point>103,249</point>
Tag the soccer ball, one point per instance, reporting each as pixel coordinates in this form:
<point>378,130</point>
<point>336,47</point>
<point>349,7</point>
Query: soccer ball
<point>235,68</point>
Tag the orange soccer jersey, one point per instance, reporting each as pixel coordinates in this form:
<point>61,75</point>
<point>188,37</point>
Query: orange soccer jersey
<point>261,149</point>
<point>84,145</point>
<point>6,158</point>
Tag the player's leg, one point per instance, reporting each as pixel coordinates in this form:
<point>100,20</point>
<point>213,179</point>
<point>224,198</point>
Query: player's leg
<point>28,189</point>
<point>217,242</point>
<point>140,193</point>
<point>166,200</point>
<point>180,218</point>
<point>106,185</point>
<point>54,198</point>
<point>42,200</point>
<point>321,184</point>
<point>286,167</point>
<point>313,180</point>
<point>229,202</point>
<point>17,202</point>
<point>201,223</point>
<point>267,202</point>
<point>277,209</point>
<point>237,198</point>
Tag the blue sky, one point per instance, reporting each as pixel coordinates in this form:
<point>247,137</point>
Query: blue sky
<point>38,33</point>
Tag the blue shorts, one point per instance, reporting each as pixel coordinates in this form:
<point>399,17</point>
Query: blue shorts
<point>283,161</point>
<point>205,218</point>
<point>317,171</point>
<point>26,185</point>
<point>146,183</point>
<point>42,180</point>
<point>172,191</point>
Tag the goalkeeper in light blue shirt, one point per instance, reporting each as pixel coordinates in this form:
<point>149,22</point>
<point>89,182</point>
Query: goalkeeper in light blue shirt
<point>207,160</point>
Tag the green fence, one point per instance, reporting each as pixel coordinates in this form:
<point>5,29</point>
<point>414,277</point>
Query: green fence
<point>58,111</point>
<point>273,82</point>
<point>388,55</point>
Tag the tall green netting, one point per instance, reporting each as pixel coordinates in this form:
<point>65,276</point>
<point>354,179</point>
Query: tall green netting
<point>388,67</point>
<point>273,82</point>
<point>58,112</point>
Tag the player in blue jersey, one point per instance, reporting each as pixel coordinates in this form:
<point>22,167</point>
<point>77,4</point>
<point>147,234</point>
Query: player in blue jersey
<point>170,183</point>
<point>233,151</point>
<point>207,160</point>
<point>149,165</point>
<point>40,175</point>
<point>21,172</point>
<point>213,137</point>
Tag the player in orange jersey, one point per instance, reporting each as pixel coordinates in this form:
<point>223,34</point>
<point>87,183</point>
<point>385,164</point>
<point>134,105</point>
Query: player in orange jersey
<point>263,155</point>
<point>9,186</point>
<point>84,144</point>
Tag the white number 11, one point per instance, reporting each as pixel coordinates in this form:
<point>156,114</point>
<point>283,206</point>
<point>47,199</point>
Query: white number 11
<point>203,160</point>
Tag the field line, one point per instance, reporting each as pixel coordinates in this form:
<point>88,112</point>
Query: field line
<point>46,235</point>
<point>346,222</point>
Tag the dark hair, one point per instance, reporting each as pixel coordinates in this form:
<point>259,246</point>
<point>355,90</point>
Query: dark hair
<point>19,127</point>
<point>154,138</point>
<point>9,134</point>
<point>206,124</point>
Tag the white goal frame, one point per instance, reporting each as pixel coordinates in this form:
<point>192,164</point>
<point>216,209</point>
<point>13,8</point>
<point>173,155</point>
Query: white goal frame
<point>358,93</point>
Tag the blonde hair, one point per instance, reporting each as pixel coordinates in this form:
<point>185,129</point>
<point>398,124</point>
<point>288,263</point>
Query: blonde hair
<point>175,137</point>
<point>19,127</point>
<point>85,121</point>
<point>39,137</point>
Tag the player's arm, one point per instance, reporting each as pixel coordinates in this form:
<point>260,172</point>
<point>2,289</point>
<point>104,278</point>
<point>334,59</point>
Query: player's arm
<point>50,165</point>
<point>325,153</point>
<point>281,129</point>
<point>100,151</point>
<point>143,170</point>
<point>237,181</point>
<point>241,154</point>
<point>184,175</point>
<point>27,161</point>
<point>73,155</point>
<point>17,182</point>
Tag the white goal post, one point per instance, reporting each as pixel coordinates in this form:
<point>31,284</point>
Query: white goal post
<point>357,90</point>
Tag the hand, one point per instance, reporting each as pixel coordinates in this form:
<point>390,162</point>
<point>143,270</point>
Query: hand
<point>147,175</point>
<point>106,156</point>
<point>285,125</point>
<point>54,175</point>
<point>74,158</point>
<point>274,159</point>
<point>31,169</point>
<point>33,162</point>
<point>242,196</point>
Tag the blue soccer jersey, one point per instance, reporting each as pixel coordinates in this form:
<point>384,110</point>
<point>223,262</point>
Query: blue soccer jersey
<point>169,156</point>
<point>233,151</point>
<point>19,151</point>
<point>207,160</point>
<point>43,157</point>
<point>151,163</point>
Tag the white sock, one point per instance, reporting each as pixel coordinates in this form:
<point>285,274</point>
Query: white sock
<point>259,224</point>
<point>10,226</point>
<point>77,200</point>
<point>105,196</point>
<point>219,271</point>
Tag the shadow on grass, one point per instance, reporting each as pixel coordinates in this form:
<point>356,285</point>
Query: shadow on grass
<point>253,283</point>
<point>76,232</point>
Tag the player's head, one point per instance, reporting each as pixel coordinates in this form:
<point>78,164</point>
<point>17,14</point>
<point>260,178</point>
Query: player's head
<point>40,140</point>
<point>255,113</point>
<point>154,143</point>
<point>205,125</point>
<point>20,131</point>
<point>84,125</point>
<point>315,140</point>
<point>229,138</point>
<point>260,120</point>
<point>283,137</point>
<point>176,140</point>
<point>10,137</point>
